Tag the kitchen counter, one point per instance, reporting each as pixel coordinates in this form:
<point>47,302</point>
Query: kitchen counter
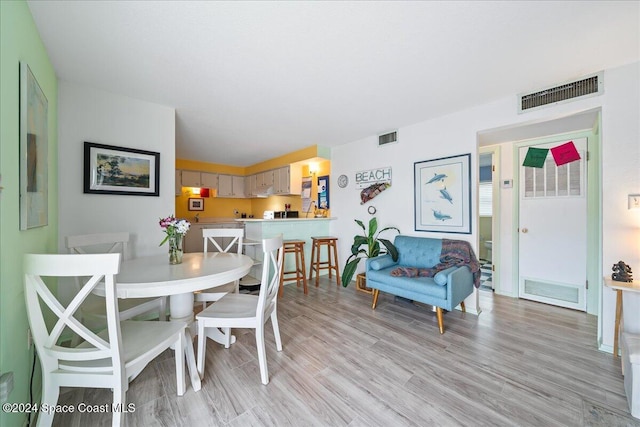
<point>212,220</point>
<point>283,219</point>
<point>290,228</point>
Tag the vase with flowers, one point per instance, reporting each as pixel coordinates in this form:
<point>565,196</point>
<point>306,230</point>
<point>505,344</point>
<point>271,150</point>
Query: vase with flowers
<point>175,230</point>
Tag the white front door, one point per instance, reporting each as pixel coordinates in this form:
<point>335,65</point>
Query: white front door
<point>553,230</point>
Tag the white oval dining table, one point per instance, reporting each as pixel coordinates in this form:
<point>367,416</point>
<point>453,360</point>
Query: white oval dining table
<point>153,276</point>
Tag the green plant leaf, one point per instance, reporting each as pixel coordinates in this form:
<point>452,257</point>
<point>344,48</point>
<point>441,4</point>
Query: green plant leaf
<point>391,249</point>
<point>373,227</point>
<point>361,224</point>
<point>375,249</point>
<point>349,271</point>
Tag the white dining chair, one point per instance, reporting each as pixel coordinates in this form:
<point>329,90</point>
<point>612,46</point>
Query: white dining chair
<point>223,240</point>
<point>92,311</point>
<point>248,311</point>
<point>106,359</point>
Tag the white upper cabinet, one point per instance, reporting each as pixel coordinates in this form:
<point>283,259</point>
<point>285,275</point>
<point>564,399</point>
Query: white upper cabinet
<point>238,186</point>
<point>191,179</point>
<point>230,186</point>
<point>199,179</point>
<point>178,182</point>
<point>288,180</point>
<point>209,180</point>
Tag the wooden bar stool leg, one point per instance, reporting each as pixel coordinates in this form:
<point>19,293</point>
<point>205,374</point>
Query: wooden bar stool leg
<point>317,263</point>
<point>335,259</point>
<point>304,271</point>
<point>313,251</point>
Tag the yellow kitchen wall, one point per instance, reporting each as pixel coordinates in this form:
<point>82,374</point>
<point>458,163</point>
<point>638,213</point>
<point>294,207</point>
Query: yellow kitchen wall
<point>216,207</point>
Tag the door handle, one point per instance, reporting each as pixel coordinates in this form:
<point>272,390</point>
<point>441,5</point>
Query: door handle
<point>525,230</point>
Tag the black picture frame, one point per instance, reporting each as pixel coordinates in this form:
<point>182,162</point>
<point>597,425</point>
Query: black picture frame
<point>442,195</point>
<point>109,169</point>
<point>196,204</point>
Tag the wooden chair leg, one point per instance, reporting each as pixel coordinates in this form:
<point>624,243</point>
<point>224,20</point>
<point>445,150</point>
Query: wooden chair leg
<point>440,320</point>
<point>376,292</point>
<point>462,306</point>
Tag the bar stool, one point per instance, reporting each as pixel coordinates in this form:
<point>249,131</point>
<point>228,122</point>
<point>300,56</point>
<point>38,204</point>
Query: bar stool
<point>316,264</point>
<point>295,247</point>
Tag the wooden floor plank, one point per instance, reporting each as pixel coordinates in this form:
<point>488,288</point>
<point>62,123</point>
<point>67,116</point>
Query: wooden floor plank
<point>344,364</point>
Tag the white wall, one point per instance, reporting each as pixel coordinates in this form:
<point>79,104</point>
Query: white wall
<point>87,114</point>
<point>456,134</point>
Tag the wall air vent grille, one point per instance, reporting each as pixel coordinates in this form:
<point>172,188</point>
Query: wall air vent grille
<point>586,87</point>
<point>388,138</point>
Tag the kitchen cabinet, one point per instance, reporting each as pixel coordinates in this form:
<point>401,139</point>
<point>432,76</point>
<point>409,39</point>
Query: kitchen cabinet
<point>190,179</point>
<point>231,186</point>
<point>199,179</point>
<point>288,180</point>
<point>178,182</point>
<point>209,180</point>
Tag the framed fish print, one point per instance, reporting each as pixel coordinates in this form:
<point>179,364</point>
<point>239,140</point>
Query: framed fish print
<point>442,200</point>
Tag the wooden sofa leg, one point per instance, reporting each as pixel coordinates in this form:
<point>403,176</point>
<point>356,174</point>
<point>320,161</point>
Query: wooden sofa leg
<point>462,306</point>
<point>376,292</point>
<point>440,321</point>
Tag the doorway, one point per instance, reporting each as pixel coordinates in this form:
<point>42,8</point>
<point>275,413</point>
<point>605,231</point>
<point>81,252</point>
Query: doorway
<point>488,215</point>
<point>552,227</point>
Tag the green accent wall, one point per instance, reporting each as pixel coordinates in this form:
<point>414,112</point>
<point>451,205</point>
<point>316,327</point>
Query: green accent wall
<point>20,41</point>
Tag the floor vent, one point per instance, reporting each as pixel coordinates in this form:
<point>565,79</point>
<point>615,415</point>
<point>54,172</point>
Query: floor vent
<point>589,86</point>
<point>388,138</point>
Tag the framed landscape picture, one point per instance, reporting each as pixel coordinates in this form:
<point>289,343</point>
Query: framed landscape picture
<point>118,170</point>
<point>443,194</point>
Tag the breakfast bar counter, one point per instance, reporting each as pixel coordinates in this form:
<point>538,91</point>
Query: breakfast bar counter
<point>290,228</point>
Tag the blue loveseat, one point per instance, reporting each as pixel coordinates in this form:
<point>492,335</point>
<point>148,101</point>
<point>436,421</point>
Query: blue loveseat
<point>444,290</point>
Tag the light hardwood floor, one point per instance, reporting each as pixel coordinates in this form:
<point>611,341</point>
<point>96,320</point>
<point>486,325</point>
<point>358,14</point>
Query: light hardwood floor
<point>519,363</point>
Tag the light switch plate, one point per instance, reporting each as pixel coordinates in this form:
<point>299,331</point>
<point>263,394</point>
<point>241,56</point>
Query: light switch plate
<point>634,201</point>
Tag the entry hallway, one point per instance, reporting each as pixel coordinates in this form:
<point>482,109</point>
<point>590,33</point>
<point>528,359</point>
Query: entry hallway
<point>519,363</point>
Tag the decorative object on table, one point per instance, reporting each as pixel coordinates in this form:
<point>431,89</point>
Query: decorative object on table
<point>175,230</point>
<point>371,240</point>
<point>343,181</point>
<point>621,272</point>
<point>442,201</point>
<point>34,134</point>
<point>118,170</point>
<point>372,191</point>
<point>196,204</point>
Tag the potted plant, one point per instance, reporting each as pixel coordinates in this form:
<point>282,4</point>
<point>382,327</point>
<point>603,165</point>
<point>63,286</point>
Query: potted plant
<point>367,246</point>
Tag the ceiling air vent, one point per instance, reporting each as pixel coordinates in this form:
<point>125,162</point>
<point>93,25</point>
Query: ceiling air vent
<point>589,86</point>
<point>387,138</point>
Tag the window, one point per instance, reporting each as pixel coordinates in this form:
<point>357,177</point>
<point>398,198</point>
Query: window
<point>486,198</point>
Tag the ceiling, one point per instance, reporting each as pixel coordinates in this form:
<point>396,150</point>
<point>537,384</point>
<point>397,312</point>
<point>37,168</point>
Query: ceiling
<point>255,80</point>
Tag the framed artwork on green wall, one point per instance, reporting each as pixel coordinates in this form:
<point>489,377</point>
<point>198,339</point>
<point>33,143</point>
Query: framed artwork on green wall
<point>34,135</point>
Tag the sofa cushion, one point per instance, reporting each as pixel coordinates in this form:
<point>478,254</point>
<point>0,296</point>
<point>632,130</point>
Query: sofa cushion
<point>441,277</point>
<point>419,252</point>
<point>420,285</point>
<point>382,262</point>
